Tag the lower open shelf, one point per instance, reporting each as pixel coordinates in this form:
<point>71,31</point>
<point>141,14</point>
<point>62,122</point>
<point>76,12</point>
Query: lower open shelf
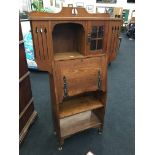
<point>79,122</point>
<point>79,104</point>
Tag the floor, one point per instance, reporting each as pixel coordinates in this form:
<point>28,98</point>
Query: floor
<point>118,137</point>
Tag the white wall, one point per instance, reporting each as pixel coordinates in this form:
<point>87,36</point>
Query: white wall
<point>120,3</point>
<point>25,27</point>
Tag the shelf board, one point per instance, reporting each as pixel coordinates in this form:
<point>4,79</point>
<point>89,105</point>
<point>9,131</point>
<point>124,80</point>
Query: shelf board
<point>97,38</point>
<point>79,122</point>
<point>67,55</point>
<point>77,105</point>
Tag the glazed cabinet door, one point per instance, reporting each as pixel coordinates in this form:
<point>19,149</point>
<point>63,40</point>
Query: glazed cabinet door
<point>80,75</point>
<point>96,37</point>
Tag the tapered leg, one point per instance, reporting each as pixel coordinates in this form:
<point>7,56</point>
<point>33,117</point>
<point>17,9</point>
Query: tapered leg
<point>61,144</point>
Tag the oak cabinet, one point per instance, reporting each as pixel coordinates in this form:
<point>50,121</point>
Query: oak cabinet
<point>74,49</point>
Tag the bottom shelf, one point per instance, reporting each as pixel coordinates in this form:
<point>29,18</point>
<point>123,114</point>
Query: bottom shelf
<point>78,122</point>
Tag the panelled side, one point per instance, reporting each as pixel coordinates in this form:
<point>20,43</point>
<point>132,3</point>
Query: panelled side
<point>42,44</point>
<point>114,30</point>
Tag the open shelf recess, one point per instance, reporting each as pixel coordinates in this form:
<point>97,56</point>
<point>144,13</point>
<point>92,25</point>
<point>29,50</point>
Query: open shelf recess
<point>78,105</point>
<point>79,122</point>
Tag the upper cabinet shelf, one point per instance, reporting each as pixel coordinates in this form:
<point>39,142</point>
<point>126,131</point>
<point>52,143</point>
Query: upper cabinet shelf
<point>67,55</point>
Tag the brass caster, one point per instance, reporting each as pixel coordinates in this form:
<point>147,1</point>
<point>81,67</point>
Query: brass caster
<point>100,131</point>
<point>60,148</point>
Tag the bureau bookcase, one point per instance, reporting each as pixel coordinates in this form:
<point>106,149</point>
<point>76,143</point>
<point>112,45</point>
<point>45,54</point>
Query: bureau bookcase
<point>73,47</point>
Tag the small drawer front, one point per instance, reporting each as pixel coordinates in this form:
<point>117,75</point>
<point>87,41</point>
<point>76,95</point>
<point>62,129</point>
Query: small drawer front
<point>78,76</point>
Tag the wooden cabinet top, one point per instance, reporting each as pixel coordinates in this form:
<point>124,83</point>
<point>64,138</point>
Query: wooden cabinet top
<point>68,13</point>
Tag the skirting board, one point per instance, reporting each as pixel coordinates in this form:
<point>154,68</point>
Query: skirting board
<point>27,126</point>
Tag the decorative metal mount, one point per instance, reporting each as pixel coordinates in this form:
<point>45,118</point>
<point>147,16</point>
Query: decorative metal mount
<point>65,87</point>
<point>99,80</point>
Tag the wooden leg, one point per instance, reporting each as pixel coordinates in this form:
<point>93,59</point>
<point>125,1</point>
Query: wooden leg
<point>120,40</point>
<point>61,144</point>
<point>61,141</point>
